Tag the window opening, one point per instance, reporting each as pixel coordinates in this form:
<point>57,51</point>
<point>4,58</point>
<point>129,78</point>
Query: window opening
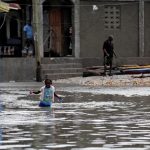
<point>112,17</point>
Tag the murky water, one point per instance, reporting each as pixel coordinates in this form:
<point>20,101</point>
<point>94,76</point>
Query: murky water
<point>88,119</point>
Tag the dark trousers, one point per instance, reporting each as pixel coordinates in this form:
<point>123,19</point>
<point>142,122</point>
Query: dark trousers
<point>30,44</point>
<point>108,62</point>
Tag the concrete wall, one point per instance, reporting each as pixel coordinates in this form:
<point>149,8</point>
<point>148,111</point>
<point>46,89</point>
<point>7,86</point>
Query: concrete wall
<point>147,29</point>
<point>24,69</point>
<point>93,33</point>
<point>17,69</point>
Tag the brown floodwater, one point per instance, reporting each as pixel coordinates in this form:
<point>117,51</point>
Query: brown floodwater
<point>88,119</point>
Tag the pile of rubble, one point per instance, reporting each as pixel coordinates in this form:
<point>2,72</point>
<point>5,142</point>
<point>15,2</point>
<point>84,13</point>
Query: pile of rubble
<point>115,80</point>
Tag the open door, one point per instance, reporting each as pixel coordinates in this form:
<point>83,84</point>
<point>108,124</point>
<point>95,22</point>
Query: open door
<point>55,32</point>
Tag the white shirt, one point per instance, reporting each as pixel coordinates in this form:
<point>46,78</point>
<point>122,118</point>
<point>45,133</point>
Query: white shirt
<point>42,93</point>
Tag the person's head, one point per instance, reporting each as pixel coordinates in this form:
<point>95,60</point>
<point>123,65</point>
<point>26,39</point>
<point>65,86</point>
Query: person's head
<point>48,83</point>
<point>110,37</point>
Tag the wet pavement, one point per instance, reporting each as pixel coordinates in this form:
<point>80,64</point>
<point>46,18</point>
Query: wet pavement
<point>89,118</point>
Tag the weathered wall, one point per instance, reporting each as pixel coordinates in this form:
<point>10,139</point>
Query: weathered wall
<point>147,29</point>
<point>24,69</point>
<point>17,69</point>
<point>93,33</point>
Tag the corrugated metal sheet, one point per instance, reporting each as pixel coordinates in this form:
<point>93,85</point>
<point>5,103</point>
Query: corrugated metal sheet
<point>14,6</point>
<point>5,7</point>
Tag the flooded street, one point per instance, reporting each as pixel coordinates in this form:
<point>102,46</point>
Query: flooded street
<point>88,119</point>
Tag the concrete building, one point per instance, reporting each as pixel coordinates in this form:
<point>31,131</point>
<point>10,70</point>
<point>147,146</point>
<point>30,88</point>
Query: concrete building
<point>91,21</point>
<point>127,20</point>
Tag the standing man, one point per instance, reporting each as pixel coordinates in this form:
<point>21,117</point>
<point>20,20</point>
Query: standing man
<point>108,50</point>
<point>29,39</point>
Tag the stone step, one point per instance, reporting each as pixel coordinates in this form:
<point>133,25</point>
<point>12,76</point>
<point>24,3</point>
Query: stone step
<point>56,76</point>
<point>60,66</point>
<point>62,70</point>
<point>60,60</point>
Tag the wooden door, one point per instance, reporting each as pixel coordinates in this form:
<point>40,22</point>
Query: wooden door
<point>56,30</point>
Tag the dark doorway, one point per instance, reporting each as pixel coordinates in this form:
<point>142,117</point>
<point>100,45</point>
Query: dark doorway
<point>3,37</point>
<point>13,28</point>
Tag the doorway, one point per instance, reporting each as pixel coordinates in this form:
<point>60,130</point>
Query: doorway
<point>56,38</point>
<point>59,42</point>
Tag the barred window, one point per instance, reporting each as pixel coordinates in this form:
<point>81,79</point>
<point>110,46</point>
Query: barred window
<point>112,17</point>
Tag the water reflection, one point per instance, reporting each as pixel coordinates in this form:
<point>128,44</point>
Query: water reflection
<point>84,121</point>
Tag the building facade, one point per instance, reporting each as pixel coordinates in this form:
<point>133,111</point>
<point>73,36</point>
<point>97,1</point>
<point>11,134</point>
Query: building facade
<point>126,20</point>
<point>91,22</point>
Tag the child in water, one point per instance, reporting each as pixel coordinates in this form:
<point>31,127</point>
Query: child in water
<point>47,94</point>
